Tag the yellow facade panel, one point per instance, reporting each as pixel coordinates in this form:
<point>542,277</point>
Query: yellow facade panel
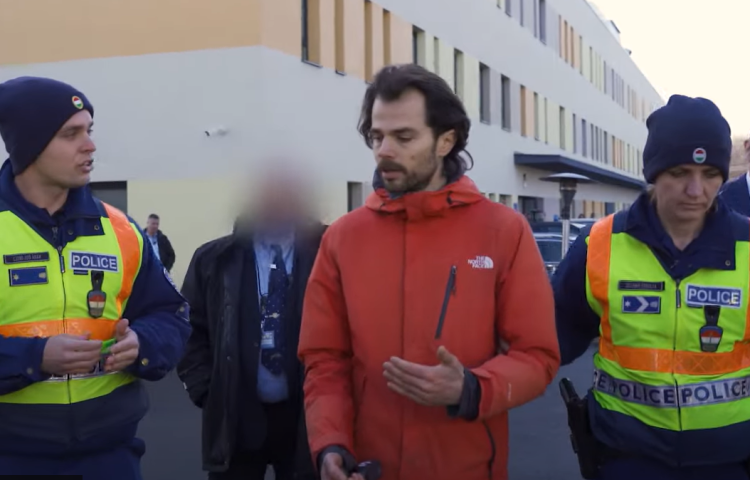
<point>553,123</point>
<point>471,96</point>
<point>321,32</point>
<point>445,62</point>
<point>541,118</point>
<point>569,131</point>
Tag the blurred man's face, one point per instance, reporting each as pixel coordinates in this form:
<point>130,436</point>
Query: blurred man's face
<point>67,161</point>
<point>408,156</point>
<point>152,226</point>
<point>281,199</point>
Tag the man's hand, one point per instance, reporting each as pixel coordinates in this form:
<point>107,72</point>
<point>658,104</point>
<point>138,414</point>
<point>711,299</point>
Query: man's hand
<point>125,351</point>
<point>70,354</point>
<point>333,469</point>
<point>438,385</point>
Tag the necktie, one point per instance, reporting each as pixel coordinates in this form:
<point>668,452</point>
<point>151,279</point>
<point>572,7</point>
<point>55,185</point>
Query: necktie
<point>273,351</point>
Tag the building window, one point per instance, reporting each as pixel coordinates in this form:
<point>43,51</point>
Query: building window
<point>484,93</point>
<point>387,37</point>
<point>605,76</point>
<point>415,45</point>
<point>543,21</point>
<point>505,92</point>
<point>369,71</point>
<point>508,7</point>
<point>524,116</point>
<point>536,116</point>
<point>607,159</point>
<point>575,134</point>
<point>546,121</point>
<point>354,195</point>
<point>436,55</point>
<point>520,12</point>
<point>584,145</point>
<point>458,73</point>
<point>562,128</point>
<point>305,32</point>
<point>535,18</point>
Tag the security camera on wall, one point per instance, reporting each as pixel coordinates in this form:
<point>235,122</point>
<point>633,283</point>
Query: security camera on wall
<point>216,132</point>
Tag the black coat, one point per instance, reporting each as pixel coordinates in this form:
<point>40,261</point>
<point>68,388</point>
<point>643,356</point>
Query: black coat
<point>736,195</point>
<point>166,252</point>
<point>211,370</point>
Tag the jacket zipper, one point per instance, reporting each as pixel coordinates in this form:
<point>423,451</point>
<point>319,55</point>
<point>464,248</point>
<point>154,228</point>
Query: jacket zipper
<point>493,450</point>
<point>674,348</point>
<point>403,329</point>
<point>450,288</point>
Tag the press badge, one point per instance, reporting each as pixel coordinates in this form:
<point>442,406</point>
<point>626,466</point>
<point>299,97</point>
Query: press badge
<point>267,340</point>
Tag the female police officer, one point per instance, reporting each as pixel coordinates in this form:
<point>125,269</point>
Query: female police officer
<point>665,287</point>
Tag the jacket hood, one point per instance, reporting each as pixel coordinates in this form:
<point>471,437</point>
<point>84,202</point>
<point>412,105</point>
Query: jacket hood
<point>459,192</point>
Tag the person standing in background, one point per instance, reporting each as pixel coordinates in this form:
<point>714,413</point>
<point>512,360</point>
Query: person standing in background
<point>160,244</point>
<point>241,367</point>
<point>736,192</point>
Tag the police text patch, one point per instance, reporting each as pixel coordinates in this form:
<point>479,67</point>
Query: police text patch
<point>18,277</point>
<point>700,296</point>
<point>646,304</point>
<point>26,258</point>
<point>94,261</point>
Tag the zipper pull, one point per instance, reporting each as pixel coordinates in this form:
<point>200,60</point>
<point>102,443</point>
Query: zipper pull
<point>679,296</point>
<point>453,275</point>
<point>62,259</point>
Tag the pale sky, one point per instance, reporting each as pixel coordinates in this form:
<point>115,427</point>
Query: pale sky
<point>696,48</point>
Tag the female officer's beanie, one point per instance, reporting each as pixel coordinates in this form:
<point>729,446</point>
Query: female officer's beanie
<point>32,110</point>
<point>686,131</point>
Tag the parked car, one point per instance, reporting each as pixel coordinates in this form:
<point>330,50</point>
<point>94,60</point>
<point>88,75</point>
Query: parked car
<point>550,246</point>
<point>576,225</point>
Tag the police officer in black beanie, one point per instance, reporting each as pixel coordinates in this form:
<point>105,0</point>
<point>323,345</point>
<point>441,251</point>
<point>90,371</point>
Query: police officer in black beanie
<point>86,310</point>
<point>664,285</point>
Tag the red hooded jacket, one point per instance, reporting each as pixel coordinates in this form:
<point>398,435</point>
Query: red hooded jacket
<point>377,291</point>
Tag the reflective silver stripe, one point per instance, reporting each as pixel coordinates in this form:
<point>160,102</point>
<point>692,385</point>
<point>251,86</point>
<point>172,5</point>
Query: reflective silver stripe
<point>690,395</point>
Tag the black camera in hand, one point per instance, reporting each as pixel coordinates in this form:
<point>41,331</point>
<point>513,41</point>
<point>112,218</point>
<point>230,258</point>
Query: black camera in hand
<point>370,470</point>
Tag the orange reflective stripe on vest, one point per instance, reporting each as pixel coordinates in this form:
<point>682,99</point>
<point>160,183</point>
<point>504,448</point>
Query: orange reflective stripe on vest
<point>98,329</point>
<point>650,359</point>
<point>130,249</point>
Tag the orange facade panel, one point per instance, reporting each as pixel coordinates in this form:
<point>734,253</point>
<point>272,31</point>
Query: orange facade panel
<point>51,30</point>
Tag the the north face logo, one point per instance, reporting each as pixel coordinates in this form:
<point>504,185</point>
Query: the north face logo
<point>482,262</point>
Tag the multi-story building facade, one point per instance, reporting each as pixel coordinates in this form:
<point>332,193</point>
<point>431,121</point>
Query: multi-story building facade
<point>190,93</point>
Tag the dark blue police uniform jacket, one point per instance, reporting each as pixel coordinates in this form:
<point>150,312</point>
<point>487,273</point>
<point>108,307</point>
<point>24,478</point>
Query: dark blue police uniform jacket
<point>578,326</point>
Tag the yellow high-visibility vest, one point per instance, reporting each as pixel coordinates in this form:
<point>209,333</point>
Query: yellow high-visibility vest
<point>82,288</point>
<point>674,355</point>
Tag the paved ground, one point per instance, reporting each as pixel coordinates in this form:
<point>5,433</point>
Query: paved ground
<point>539,445</point>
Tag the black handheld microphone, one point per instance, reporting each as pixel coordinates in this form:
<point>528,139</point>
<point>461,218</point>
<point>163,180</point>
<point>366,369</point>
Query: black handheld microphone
<point>370,469</point>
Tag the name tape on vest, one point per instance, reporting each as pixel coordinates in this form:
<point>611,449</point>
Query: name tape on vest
<point>25,258</point>
<point>94,261</point>
<point>700,296</point>
<point>692,395</point>
<point>641,304</point>
<point>635,285</point>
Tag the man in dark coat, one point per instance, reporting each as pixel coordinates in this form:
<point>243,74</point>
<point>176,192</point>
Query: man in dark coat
<point>246,292</point>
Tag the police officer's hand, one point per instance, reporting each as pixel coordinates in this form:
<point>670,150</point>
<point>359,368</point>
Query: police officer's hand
<point>432,385</point>
<point>70,354</point>
<point>333,469</point>
<point>125,351</point>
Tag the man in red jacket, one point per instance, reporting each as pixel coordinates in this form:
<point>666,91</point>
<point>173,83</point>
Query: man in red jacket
<point>428,313</point>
